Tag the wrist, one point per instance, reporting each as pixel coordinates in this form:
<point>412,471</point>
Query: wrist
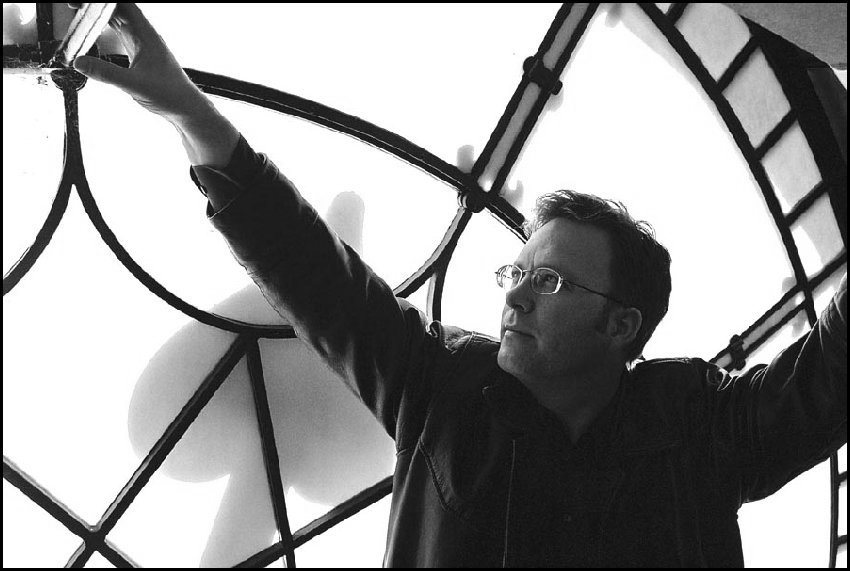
<point>208,137</point>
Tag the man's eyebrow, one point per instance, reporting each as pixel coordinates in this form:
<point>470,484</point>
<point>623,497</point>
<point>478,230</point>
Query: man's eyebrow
<point>552,266</point>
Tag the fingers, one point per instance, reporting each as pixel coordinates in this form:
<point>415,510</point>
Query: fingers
<point>100,70</point>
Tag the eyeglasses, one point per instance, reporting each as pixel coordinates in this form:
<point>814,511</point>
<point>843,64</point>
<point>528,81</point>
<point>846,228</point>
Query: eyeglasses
<point>544,281</point>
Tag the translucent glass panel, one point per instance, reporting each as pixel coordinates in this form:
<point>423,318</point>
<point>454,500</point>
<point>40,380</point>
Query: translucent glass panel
<point>377,68</point>
<point>641,147</point>
<point>419,298</point>
<point>98,561</point>
<point>31,537</point>
<point>827,289</point>
<point>842,510</point>
<point>378,204</point>
<point>798,534</point>
<point>19,25</point>
<point>790,332</point>
<point>209,503</point>
<point>817,236</point>
<point>471,298</point>
<point>77,333</point>
<point>798,325</point>
<point>329,445</point>
<point>32,158</point>
<point>715,33</point>
<point>791,168</point>
<point>346,546</point>
<point>757,98</point>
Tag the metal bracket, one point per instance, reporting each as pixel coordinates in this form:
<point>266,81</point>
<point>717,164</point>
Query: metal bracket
<point>538,73</point>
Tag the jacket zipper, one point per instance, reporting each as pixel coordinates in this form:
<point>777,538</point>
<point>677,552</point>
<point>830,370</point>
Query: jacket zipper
<point>508,508</point>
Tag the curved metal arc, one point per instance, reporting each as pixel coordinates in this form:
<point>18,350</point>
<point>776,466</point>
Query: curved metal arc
<point>443,250</point>
<point>208,318</point>
<point>335,120</point>
<point>736,129</point>
<point>42,239</point>
<point>71,171</point>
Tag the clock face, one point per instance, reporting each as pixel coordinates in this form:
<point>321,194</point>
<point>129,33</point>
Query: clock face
<point>686,118</point>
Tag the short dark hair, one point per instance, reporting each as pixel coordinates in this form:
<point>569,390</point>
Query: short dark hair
<point>640,266</point>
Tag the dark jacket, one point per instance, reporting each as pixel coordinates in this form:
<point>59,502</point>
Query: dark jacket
<point>485,476</point>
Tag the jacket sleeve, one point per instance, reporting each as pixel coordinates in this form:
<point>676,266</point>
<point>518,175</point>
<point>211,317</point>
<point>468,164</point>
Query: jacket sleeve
<point>382,346</point>
<point>776,421</point>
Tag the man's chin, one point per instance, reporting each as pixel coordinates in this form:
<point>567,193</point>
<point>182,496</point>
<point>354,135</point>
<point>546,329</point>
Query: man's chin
<point>507,362</point>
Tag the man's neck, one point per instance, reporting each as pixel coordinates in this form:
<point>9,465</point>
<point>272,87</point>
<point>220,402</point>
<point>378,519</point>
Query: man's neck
<point>580,400</point>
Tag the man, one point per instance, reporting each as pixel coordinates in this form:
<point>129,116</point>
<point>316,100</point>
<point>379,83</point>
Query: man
<point>545,449</point>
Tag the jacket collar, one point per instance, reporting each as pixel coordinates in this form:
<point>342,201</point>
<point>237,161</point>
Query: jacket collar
<point>626,424</point>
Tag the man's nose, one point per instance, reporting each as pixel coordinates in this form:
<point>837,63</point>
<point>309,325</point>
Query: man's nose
<point>521,297</point>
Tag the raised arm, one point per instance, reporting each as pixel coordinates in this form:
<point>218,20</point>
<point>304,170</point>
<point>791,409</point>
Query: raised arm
<point>774,422</point>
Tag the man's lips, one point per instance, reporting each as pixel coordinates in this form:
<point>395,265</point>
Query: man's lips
<point>508,328</point>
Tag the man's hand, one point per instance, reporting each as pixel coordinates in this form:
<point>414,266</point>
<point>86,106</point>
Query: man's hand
<point>157,82</point>
<point>154,79</point>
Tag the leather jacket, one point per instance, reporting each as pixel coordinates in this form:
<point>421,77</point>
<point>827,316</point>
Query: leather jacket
<point>485,476</point>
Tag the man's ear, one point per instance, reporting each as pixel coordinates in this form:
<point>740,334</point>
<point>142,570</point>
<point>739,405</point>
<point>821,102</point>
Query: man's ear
<point>624,325</point>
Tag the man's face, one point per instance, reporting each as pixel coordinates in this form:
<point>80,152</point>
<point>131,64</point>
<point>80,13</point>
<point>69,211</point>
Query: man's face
<point>548,338</point>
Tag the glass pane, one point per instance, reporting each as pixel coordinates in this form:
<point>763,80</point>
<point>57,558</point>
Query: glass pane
<point>419,298</point>
<point>663,6</point>
<point>790,332</point>
<point>99,561</point>
<point>156,535</point>
<point>31,537</point>
<point>791,168</point>
<point>798,323</point>
<point>76,335</point>
<point>842,509</point>
<point>329,445</point>
<point>817,236</point>
<point>347,545</point>
<point>757,98</point>
<point>842,459</point>
<point>825,291</point>
<point>387,69</point>
<point>715,33</point>
<point>642,149</point>
<point>19,27</point>
<point>798,519</point>
<point>209,503</point>
<point>471,298</point>
<point>33,136</point>
<point>360,192</point>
